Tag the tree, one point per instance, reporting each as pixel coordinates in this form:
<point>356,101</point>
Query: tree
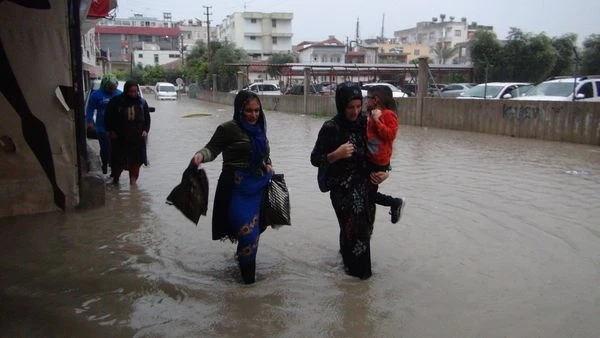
<point>524,57</point>
<point>590,63</point>
<point>539,59</point>
<point>153,74</point>
<point>443,52</point>
<point>198,66</point>
<point>279,59</point>
<point>565,47</point>
<point>485,54</point>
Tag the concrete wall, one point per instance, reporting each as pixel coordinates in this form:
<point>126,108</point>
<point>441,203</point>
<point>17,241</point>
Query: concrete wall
<point>576,122</point>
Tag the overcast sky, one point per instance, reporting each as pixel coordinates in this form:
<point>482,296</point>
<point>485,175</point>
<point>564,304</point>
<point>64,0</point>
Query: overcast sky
<point>315,20</point>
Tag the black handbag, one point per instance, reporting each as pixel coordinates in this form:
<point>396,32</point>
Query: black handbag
<point>191,195</point>
<point>275,208</point>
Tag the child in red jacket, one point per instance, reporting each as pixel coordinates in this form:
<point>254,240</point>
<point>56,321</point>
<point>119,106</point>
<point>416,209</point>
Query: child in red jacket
<point>382,126</point>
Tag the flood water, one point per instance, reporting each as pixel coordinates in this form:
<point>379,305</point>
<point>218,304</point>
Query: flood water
<point>500,237</point>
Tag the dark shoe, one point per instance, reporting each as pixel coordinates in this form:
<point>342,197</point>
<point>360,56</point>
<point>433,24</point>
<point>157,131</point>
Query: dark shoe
<point>396,209</point>
<point>115,180</point>
<point>104,169</point>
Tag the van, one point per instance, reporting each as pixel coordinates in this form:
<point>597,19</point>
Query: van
<point>165,91</point>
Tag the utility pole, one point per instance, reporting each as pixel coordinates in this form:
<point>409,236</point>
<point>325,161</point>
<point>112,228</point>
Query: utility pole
<point>208,14</point>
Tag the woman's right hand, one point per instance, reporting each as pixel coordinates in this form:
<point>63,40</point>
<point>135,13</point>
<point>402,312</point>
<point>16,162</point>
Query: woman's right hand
<point>197,158</point>
<point>344,151</point>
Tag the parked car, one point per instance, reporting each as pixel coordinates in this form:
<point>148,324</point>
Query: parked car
<point>455,89</point>
<point>396,92</point>
<point>495,90</point>
<point>261,88</point>
<point>165,91</point>
<point>298,89</point>
<point>585,88</point>
<point>435,89</point>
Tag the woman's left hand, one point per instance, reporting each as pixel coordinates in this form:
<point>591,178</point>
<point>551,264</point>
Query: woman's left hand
<point>378,177</point>
<point>144,134</point>
<point>269,168</point>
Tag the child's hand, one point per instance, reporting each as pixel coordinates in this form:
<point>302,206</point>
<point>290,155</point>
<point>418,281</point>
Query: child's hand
<point>375,114</point>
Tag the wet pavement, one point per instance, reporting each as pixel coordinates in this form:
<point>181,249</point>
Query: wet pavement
<point>500,238</point>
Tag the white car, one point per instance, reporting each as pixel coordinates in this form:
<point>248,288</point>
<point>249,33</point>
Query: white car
<point>165,91</point>
<point>264,88</point>
<point>585,88</point>
<point>396,92</point>
<point>496,90</point>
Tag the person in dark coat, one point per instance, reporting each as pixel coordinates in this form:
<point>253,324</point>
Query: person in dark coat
<point>341,149</point>
<point>244,177</point>
<point>128,122</point>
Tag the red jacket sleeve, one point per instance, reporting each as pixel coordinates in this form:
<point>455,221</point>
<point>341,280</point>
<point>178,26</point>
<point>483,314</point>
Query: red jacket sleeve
<point>387,126</point>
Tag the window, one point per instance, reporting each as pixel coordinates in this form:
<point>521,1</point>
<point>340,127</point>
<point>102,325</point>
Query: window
<point>431,36</point>
<point>274,40</point>
<point>253,38</point>
<point>155,59</point>
<point>252,20</point>
<point>457,33</point>
<point>597,88</point>
<point>274,23</point>
<point>141,56</point>
<point>587,90</point>
<point>417,52</point>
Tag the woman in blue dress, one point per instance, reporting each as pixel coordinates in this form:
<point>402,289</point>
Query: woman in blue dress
<point>245,174</point>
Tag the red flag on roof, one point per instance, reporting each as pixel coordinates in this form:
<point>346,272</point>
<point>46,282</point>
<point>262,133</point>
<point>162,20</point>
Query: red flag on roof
<point>99,9</point>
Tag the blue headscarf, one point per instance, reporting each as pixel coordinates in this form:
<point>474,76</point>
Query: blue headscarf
<point>257,133</point>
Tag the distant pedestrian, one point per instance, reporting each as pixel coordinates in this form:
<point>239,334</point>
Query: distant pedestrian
<point>128,122</point>
<point>97,103</point>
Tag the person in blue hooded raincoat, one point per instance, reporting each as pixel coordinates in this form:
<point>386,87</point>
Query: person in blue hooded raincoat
<point>97,103</point>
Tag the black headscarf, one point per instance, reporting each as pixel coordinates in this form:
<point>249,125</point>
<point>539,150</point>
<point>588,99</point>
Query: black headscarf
<point>128,99</point>
<point>343,95</point>
<point>257,133</point>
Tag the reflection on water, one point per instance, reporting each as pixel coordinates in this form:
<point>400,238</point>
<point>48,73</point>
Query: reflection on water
<point>500,237</point>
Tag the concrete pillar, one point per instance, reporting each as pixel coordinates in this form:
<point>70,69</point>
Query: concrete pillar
<point>214,86</point>
<point>422,84</point>
<point>306,90</point>
<point>240,80</point>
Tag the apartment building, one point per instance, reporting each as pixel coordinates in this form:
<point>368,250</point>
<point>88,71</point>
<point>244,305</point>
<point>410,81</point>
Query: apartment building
<point>260,34</point>
<point>194,30</point>
<point>139,40</point>
<point>429,37</point>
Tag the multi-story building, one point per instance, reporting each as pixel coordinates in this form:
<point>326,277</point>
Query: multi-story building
<point>438,35</point>
<point>260,34</point>
<point>331,50</point>
<point>124,40</point>
<point>195,30</point>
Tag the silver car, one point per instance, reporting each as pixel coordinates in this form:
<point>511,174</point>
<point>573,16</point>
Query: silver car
<point>455,89</point>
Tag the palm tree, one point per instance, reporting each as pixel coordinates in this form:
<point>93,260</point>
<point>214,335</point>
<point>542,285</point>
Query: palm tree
<point>443,52</point>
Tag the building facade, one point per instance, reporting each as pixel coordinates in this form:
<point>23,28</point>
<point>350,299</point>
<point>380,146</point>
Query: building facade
<point>331,50</point>
<point>439,36</point>
<point>260,34</point>
<point>122,39</point>
<point>193,31</point>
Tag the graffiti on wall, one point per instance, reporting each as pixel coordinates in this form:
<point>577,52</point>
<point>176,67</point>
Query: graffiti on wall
<point>520,112</point>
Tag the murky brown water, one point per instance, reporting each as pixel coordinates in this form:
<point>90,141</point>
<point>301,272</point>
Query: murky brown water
<point>500,238</point>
